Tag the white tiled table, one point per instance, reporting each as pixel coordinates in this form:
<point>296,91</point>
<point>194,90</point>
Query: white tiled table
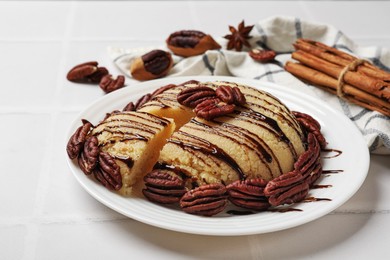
<point>46,214</point>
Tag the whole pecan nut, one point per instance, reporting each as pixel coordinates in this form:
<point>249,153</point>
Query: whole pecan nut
<point>230,95</point>
<point>249,194</point>
<point>89,156</point>
<point>212,108</point>
<point>206,200</point>
<point>76,141</point>
<point>163,186</point>
<point>109,84</point>
<point>191,97</point>
<point>152,65</point>
<point>87,72</point>
<point>108,172</point>
<point>188,43</point>
<point>262,55</point>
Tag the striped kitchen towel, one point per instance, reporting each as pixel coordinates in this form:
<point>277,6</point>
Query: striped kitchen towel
<point>278,34</point>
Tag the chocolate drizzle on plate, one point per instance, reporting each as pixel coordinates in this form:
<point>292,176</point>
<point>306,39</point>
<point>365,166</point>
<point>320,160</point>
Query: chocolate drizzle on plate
<point>335,152</point>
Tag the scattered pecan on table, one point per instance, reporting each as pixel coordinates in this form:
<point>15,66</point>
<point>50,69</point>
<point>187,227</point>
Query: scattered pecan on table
<point>88,72</point>
<point>262,55</point>
<point>108,83</point>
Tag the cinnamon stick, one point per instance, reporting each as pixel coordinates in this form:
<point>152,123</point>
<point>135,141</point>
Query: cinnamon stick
<point>328,83</point>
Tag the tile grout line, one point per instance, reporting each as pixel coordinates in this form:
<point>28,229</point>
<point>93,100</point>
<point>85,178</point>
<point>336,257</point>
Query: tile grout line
<point>90,220</point>
<point>32,236</point>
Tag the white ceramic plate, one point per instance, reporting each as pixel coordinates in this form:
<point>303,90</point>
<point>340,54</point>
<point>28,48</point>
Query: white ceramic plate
<point>339,131</point>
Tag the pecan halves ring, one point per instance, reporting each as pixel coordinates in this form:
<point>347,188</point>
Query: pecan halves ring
<point>108,172</point>
<point>249,194</point>
<point>212,108</point>
<point>76,141</point>
<point>87,72</point>
<point>89,156</point>
<point>288,188</point>
<point>191,97</point>
<point>163,186</point>
<point>206,200</point>
<point>188,43</point>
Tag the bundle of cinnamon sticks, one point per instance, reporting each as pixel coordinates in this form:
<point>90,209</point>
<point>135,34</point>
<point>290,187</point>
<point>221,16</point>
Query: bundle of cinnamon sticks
<point>353,79</point>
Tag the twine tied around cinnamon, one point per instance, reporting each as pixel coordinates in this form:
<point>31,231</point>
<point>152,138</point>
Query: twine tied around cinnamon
<point>350,67</point>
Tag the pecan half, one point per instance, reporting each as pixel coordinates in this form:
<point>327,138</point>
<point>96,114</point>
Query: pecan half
<point>288,188</point>
<point>163,186</point>
<point>262,55</point>
<point>212,108</point>
<point>109,84</point>
<point>249,194</point>
<point>76,141</point>
<point>206,200</point>
<point>89,156</point>
<point>192,81</point>
<point>188,43</point>
<point>129,107</point>
<point>311,125</point>
<point>163,89</point>
<point>191,97</point>
<point>140,102</point>
<point>87,72</point>
<point>152,65</point>
<point>309,163</point>
<point>230,95</point>
<point>108,172</point>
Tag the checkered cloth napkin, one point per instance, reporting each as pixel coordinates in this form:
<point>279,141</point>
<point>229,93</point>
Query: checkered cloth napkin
<point>278,34</point>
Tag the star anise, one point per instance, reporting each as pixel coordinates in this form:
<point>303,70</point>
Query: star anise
<point>239,36</point>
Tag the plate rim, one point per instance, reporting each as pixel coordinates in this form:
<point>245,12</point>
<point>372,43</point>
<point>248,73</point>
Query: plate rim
<point>145,87</point>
